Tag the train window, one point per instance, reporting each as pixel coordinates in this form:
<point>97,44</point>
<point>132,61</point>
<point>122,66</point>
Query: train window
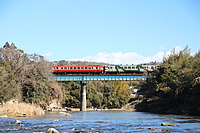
<point>56,67</point>
<point>125,67</point>
<point>70,67</point>
<point>65,67</point>
<point>133,67</point>
<point>78,67</point>
<point>61,68</point>
<point>82,67</point>
<point>85,67</point>
<point>74,67</point>
<point>89,67</point>
<point>97,68</point>
<point>129,67</point>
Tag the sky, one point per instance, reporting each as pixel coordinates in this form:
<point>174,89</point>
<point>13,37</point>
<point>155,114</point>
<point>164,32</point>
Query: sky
<point>110,31</point>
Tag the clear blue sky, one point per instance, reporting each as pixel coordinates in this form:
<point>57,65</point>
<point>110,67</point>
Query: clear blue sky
<point>83,29</point>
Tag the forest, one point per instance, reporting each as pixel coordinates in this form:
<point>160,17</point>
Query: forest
<point>23,78</point>
<point>175,86</point>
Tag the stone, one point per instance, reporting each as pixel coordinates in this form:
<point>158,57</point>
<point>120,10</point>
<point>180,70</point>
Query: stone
<point>18,121</point>
<point>52,130</point>
<point>167,130</point>
<point>3,116</point>
<point>167,124</point>
<point>68,115</point>
<point>62,113</point>
<point>68,109</point>
<point>151,128</point>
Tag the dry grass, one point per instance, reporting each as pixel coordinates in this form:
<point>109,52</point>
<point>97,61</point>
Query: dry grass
<point>17,109</point>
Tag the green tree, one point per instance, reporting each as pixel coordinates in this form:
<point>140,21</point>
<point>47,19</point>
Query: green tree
<point>176,81</point>
<point>121,93</point>
<point>94,95</point>
<point>28,73</point>
<point>7,83</point>
<point>72,98</point>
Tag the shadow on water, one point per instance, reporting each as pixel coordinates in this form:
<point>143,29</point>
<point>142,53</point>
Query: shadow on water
<point>101,121</point>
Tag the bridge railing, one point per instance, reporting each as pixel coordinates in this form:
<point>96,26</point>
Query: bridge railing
<point>101,78</point>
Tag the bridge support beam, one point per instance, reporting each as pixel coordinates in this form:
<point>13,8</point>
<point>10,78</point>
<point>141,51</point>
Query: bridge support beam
<point>83,103</point>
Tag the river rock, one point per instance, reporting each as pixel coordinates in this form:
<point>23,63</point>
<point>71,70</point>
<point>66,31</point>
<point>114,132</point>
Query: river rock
<point>3,116</point>
<point>18,121</point>
<point>52,130</point>
<point>66,114</point>
<point>167,124</point>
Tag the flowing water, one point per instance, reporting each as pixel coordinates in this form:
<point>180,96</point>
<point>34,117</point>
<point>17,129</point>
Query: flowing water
<point>102,121</point>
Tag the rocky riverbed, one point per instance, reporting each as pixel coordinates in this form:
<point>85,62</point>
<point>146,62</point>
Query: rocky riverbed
<point>101,121</point>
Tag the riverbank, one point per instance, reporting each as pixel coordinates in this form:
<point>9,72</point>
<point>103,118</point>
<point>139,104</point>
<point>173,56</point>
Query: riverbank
<point>91,109</point>
<point>27,110</point>
<point>168,106</point>
<point>20,110</point>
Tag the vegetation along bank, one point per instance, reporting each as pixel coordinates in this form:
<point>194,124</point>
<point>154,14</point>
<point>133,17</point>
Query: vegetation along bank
<point>175,87</point>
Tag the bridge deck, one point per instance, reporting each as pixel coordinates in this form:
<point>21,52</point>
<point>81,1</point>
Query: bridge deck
<point>98,77</point>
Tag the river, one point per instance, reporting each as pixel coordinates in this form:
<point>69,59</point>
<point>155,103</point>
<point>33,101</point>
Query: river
<point>102,121</point>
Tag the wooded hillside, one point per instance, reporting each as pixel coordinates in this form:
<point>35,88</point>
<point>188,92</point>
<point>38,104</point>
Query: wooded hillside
<point>175,87</point>
<point>23,78</point>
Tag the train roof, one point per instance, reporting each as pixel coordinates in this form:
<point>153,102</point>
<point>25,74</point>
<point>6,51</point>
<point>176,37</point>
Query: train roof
<point>81,66</point>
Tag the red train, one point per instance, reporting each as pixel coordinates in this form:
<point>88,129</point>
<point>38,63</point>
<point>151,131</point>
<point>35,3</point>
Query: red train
<point>94,69</point>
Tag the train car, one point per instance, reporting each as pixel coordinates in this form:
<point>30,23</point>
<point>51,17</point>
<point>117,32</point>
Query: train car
<point>129,69</point>
<point>90,69</point>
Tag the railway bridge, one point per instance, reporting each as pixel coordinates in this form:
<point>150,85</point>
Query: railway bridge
<point>84,79</point>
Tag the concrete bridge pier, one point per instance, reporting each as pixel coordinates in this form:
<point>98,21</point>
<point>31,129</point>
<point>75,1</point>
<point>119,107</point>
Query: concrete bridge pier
<point>83,103</point>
